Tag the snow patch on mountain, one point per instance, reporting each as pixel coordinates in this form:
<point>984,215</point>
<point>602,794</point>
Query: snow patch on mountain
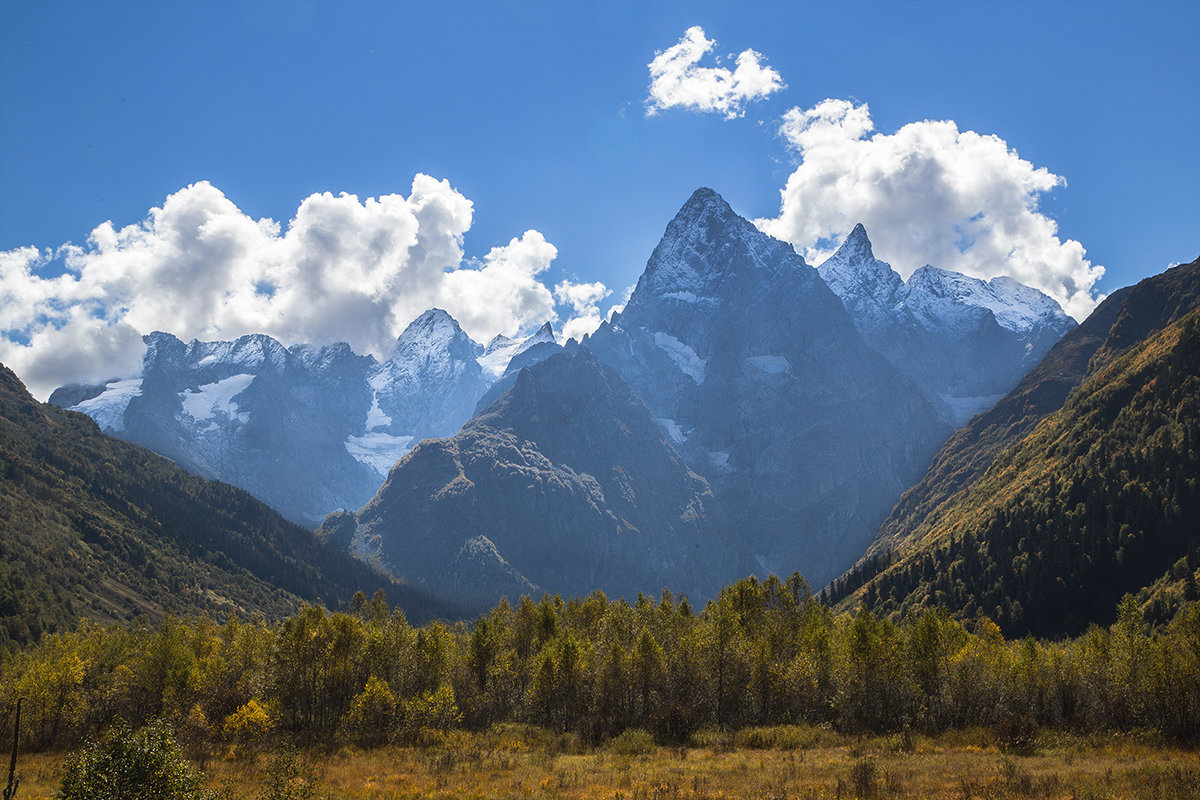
<point>685,357</point>
<point>375,416</point>
<point>378,450</point>
<point>674,433</point>
<point>214,401</point>
<point>719,459</point>
<point>108,407</point>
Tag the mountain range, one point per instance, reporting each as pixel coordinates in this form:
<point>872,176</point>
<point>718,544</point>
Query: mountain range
<point>965,341</point>
<point>306,429</point>
<point>780,409</point>
<point>760,386</point>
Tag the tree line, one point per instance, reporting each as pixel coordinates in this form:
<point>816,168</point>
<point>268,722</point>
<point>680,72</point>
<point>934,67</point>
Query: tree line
<point>760,653</point>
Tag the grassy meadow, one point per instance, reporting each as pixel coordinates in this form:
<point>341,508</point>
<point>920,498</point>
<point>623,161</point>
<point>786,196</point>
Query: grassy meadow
<point>518,761</point>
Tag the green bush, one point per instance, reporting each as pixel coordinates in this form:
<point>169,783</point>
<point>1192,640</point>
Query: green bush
<point>633,742</point>
<point>146,765</point>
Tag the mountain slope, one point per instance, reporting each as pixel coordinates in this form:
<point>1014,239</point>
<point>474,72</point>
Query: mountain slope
<point>966,342</point>
<point>564,484</point>
<point>1149,306</point>
<point>1099,499</point>
<point>92,526</point>
<point>756,372</point>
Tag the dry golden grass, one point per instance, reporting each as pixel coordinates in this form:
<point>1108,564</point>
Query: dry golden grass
<point>516,762</point>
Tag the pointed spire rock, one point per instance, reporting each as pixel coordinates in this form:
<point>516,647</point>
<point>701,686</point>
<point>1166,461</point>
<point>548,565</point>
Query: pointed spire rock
<point>858,241</point>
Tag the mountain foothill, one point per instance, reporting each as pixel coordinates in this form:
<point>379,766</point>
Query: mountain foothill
<point>936,441</point>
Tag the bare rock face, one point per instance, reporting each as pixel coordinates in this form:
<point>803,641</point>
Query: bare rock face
<point>756,372</point>
<point>565,484</point>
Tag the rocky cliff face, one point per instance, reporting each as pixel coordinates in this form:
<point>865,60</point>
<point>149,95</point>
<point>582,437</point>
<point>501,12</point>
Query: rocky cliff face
<point>756,372</point>
<point>966,342</point>
<point>566,483</point>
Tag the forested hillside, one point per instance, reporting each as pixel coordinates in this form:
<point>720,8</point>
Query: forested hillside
<point>1100,499</point>
<point>94,527</point>
<point>1123,319</point>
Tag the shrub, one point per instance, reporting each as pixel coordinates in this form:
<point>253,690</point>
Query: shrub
<point>864,780</point>
<point>288,778</point>
<point>784,737</point>
<point>372,715</point>
<point>633,742</point>
<point>1016,733</point>
<point>248,723</point>
<point>432,710</point>
<point>146,765</point>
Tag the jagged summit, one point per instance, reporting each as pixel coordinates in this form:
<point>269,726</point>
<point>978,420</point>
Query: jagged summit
<point>433,325</point>
<point>858,242</point>
<point>253,353</point>
<point>706,244</point>
<point>868,287</point>
<point>704,200</point>
<point>965,341</point>
<point>433,330</point>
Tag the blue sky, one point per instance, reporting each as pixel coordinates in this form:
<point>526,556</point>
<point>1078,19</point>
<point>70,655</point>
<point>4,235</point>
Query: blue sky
<point>537,114</point>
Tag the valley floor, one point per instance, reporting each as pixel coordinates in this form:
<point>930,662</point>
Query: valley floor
<point>800,763</point>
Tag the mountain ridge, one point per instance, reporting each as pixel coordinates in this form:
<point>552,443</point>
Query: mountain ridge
<point>93,526</point>
<point>965,341</point>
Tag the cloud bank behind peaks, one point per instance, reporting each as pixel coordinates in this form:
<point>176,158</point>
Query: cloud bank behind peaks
<point>927,194</point>
<point>676,80</point>
<point>342,270</point>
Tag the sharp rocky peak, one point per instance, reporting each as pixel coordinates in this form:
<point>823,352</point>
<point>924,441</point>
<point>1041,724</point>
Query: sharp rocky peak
<point>857,244</point>
<point>856,275</point>
<point>543,334</point>
<point>433,330</point>
<point>704,243</point>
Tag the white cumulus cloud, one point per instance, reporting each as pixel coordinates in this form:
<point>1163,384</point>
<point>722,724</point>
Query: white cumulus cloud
<point>677,80</point>
<point>927,194</point>
<point>584,299</point>
<point>341,270</point>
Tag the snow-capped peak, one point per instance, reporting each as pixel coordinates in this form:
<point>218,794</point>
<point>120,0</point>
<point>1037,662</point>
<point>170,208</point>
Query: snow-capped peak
<point>253,353</point>
<point>870,288</point>
<point>501,350</point>
<point>498,341</point>
<point>434,331</point>
<point>1015,306</point>
<point>859,278</point>
<point>542,334</point>
<point>706,242</point>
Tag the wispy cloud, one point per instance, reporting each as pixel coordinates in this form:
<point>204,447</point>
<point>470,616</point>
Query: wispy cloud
<point>927,194</point>
<point>677,80</point>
